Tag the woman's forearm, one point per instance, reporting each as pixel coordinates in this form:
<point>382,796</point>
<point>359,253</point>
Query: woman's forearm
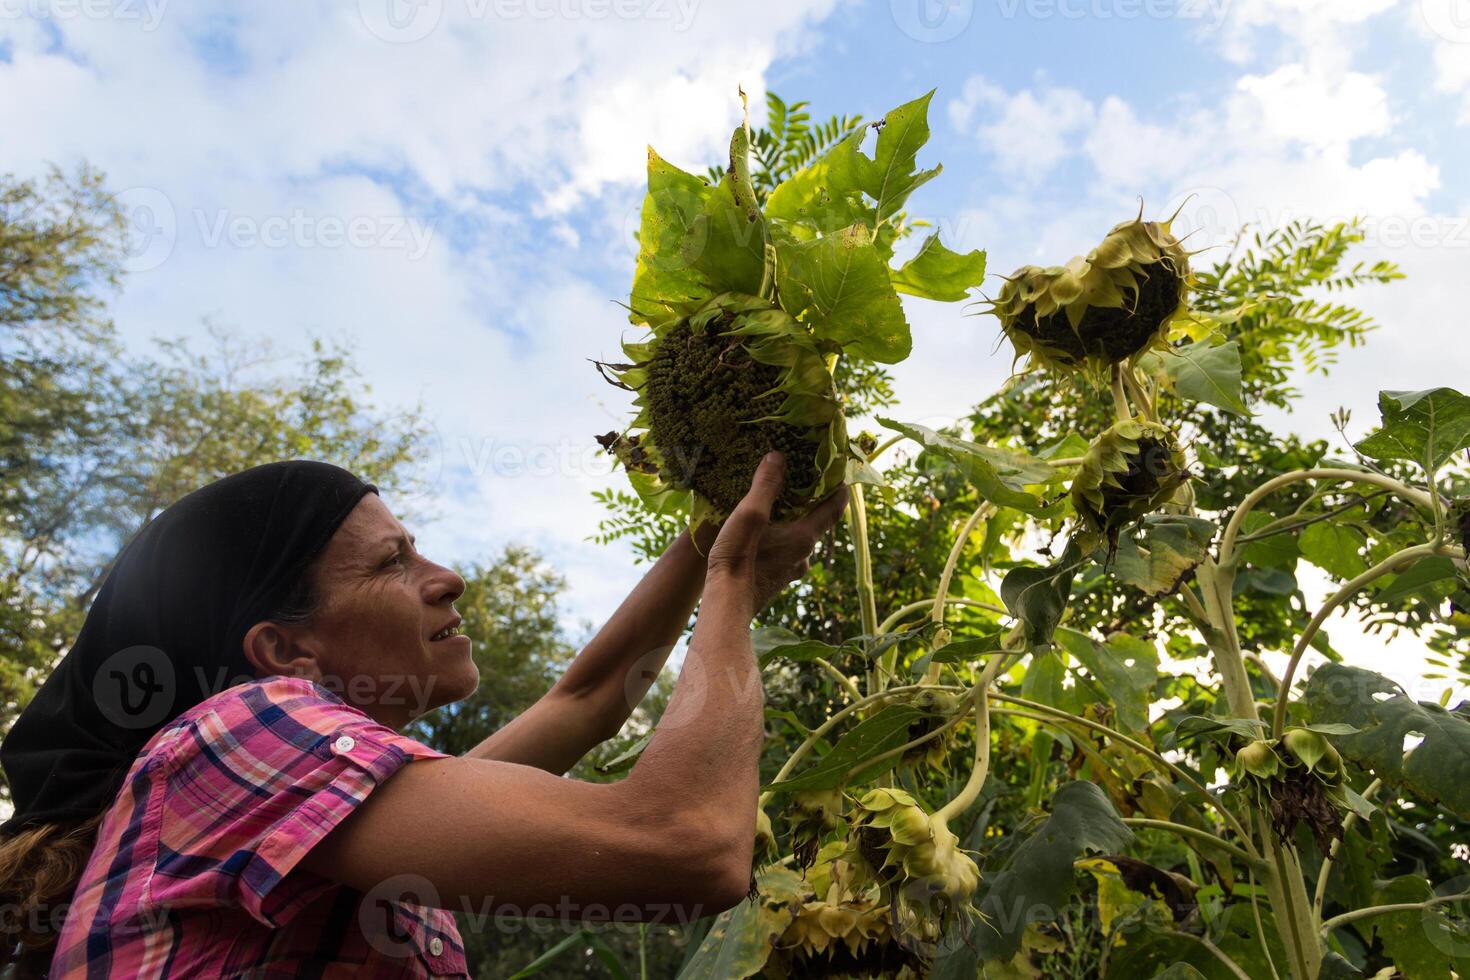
<point>617,667</point>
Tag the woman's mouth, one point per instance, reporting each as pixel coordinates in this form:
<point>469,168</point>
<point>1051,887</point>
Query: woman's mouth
<point>447,633</point>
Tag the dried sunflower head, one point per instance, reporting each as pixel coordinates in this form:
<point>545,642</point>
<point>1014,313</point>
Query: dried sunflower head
<point>718,389</point>
<point>1129,471</point>
<point>810,816</point>
<point>1102,308</point>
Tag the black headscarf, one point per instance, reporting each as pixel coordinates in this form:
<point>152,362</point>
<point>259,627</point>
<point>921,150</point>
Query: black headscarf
<point>165,631</point>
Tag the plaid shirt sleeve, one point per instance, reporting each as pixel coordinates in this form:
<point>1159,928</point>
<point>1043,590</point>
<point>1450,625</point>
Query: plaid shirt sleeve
<point>251,785</point>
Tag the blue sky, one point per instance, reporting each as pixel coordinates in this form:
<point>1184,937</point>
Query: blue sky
<point>450,185</point>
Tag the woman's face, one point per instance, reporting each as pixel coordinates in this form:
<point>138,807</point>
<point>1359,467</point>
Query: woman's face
<point>382,602</point>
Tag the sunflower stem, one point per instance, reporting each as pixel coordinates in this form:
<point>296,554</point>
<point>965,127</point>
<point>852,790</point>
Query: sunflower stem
<point>981,769</point>
<point>857,518</point>
<point>1120,399</point>
<point>936,614</point>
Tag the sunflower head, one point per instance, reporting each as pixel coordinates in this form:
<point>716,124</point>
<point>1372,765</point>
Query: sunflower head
<point>916,859</point>
<point>1102,308</point>
<point>1129,471</point>
<point>810,816</point>
<point>718,389</point>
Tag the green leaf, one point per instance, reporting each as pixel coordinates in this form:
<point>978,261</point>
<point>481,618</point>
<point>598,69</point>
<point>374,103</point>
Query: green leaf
<point>938,273</point>
<point>968,648</point>
<point>1045,681</point>
<point>625,759</point>
<point>1423,944</point>
<point>1423,573</point>
<point>997,474</point>
<point>694,241</point>
<point>771,642</point>
<point>1038,596</point>
<point>1180,971</point>
<point>1038,881</point>
<point>888,729</point>
<point>738,943</point>
<point>1333,547</point>
<point>671,236</point>
<point>1125,668</point>
<point>1438,770</point>
<point>890,175</point>
<point>1199,726</point>
<point>839,286</point>
<point>541,962</point>
<point>1161,550</point>
<point>1201,372</point>
<point>1278,550</point>
<point>1425,427</point>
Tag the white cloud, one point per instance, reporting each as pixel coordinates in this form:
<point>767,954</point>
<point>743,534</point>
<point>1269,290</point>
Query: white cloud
<point>507,138</point>
<point>1028,132</point>
<point>1321,108</point>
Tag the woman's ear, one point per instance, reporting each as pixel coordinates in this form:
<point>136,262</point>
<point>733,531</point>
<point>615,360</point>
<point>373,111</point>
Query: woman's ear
<point>273,651</point>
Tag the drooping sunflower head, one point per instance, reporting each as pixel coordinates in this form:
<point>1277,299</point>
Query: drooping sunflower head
<point>811,816</point>
<point>1102,308</point>
<point>720,388</point>
<point>1129,471</point>
<point>938,707</point>
<point>916,859</point>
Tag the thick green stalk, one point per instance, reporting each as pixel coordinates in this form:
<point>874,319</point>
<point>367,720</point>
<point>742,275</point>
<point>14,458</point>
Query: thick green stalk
<point>980,771</point>
<point>936,614</point>
<point>857,517</point>
<point>1283,878</point>
<point>1392,563</point>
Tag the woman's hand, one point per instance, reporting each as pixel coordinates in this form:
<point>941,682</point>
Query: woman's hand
<point>762,557</point>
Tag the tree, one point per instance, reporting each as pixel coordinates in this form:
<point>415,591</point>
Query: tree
<point>96,440</point>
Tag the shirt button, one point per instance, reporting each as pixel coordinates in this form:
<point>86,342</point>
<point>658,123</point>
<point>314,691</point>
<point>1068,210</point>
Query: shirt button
<point>344,743</point>
<point>436,946</point>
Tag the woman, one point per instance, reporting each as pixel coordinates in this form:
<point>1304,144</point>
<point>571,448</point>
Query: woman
<point>212,782</point>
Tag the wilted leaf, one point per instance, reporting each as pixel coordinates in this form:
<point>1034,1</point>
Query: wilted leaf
<point>738,943</point>
<point>1161,550</point>
<point>1438,770</point>
<point>1038,881</point>
<point>997,474</point>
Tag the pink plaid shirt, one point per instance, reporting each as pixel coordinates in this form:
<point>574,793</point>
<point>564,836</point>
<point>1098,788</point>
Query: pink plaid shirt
<point>195,870</point>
